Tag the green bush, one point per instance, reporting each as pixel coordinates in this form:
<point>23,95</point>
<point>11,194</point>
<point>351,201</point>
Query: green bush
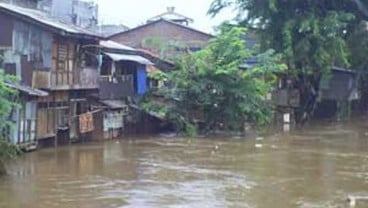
<point>209,87</point>
<point>8,97</point>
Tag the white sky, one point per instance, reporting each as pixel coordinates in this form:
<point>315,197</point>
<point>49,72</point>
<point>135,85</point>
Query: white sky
<point>135,12</point>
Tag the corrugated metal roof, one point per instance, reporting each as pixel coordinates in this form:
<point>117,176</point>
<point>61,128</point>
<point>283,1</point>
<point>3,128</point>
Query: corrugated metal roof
<point>114,104</point>
<point>335,68</point>
<point>160,116</point>
<point>108,30</point>
<point>164,21</point>
<point>28,90</point>
<point>125,57</point>
<point>114,45</point>
<point>45,19</point>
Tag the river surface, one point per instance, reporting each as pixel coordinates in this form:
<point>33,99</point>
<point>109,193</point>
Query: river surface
<point>319,167</point>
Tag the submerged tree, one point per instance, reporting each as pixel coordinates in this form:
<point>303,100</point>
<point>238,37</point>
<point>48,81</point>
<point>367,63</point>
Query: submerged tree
<point>7,104</point>
<point>311,36</point>
<point>209,87</point>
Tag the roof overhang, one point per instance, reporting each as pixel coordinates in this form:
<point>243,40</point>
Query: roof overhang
<point>28,90</point>
<point>126,57</point>
<point>114,104</point>
<point>158,21</point>
<point>159,116</point>
<point>343,70</point>
<point>109,44</point>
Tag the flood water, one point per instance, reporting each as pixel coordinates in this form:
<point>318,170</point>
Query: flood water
<point>315,168</point>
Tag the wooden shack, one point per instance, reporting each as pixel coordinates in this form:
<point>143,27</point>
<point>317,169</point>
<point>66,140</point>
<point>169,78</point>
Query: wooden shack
<point>124,78</point>
<point>58,58</point>
<point>337,90</point>
<point>24,117</point>
<point>123,74</point>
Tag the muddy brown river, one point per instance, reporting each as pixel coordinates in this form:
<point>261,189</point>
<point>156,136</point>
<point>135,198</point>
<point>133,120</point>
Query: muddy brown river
<point>319,167</point>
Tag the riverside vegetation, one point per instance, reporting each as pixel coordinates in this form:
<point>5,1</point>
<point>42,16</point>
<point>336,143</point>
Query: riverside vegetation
<point>209,91</point>
<point>7,104</point>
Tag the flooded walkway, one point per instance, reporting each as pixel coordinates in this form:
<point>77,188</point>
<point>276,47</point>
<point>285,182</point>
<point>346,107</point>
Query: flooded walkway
<point>317,169</point>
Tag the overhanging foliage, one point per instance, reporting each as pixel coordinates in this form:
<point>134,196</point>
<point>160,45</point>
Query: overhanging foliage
<point>210,89</point>
<point>311,36</point>
<point>7,104</point>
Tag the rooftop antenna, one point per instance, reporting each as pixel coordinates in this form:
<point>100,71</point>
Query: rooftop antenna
<point>170,9</point>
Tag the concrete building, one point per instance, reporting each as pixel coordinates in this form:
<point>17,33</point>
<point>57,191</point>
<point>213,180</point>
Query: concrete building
<point>81,13</point>
<point>167,35</point>
<point>22,3</point>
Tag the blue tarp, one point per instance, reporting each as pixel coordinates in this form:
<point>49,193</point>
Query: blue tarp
<point>141,79</point>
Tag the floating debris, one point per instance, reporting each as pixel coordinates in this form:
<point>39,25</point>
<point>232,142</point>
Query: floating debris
<point>353,199</point>
<point>259,145</point>
<point>259,138</point>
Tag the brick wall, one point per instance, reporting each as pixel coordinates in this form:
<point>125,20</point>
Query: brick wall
<point>164,31</point>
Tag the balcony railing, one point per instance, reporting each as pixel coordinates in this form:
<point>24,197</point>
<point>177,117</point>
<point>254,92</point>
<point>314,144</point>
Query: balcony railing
<point>116,87</point>
<point>86,78</point>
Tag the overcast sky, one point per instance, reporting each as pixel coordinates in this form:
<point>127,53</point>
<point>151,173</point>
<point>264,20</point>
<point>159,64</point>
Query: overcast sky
<point>135,12</point>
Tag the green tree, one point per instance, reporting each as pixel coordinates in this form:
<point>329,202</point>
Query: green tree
<point>208,86</point>
<point>311,35</point>
<point>7,104</point>
<point>358,46</point>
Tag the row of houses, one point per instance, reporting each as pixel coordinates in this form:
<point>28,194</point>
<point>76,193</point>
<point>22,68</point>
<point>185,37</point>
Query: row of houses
<point>77,85</point>
<point>337,91</point>
<point>336,97</point>
<point>74,84</point>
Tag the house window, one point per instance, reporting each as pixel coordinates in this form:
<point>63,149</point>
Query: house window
<point>194,49</point>
<point>61,57</point>
<point>62,118</point>
<point>10,69</point>
<point>45,122</point>
<point>106,67</point>
<point>90,60</point>
<point>180,49</point>
<point>154,83</point>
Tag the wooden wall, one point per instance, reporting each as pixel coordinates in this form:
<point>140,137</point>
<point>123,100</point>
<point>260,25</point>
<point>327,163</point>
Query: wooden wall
<point>6,32</point>
<point>53,110</point>
<point>63,56</point>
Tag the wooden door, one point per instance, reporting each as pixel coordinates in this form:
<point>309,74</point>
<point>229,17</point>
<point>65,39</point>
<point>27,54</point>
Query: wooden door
<point>27,128</point>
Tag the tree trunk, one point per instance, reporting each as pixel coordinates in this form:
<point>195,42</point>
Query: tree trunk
<point>309,92</point>
<point>2,168</point>
<point>363,86</point>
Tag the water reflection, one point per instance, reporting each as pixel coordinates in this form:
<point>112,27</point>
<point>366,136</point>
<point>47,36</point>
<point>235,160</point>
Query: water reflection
<point>315,168</point>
